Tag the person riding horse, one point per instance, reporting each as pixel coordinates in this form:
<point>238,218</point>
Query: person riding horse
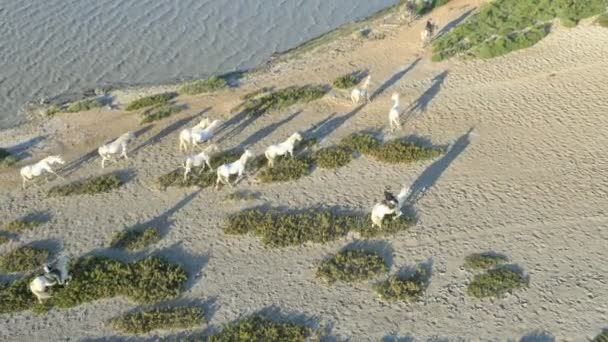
<point>389,199</point>
<point>430,27</point>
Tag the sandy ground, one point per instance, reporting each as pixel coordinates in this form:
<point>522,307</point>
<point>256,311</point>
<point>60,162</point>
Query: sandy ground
<point>524,176</point>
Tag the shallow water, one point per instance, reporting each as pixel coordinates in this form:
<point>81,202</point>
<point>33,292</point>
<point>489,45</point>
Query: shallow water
<point>51,47</point>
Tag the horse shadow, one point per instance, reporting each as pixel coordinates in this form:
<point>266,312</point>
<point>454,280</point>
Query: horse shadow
<point>431,175</point>
<point>394,79</point>
<point>20,150</point>
<point>454,23</point>
<point>538,336</point>
<point>328,125</point>
<point>192,263</point>
<point>395,338</point>
<point>266,131</point>
<point>426,267</point>
<point>421,104</point>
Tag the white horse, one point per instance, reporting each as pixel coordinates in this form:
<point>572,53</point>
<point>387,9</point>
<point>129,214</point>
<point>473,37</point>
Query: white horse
<point>235,168</point>
<point>29,172</point>
<point>53,275</point>
<point>283,148</point>
<point>108,151</point>
<point>186,133</point>
<point>197,135</point>
<point>357,93</point>
<point>199,160</point>
<point>391,205</point>
<point>393,114</point>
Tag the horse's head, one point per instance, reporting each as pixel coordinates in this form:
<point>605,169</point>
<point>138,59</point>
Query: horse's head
<point>295,137</point>
<point>395,97</point>
<point>247,154</point>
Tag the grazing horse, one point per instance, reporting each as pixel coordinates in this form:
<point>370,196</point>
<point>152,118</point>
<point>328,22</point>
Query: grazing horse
<point>53,275</point>
<point>29,172</point>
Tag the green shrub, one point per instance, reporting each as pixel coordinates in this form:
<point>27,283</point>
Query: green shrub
<point>483,261</point>
<point>135,239</point>
<point>161,112</point>
<point>286,169</point>
<point>496,282</point>
<point>159,318</point>
<point>346,81</point>
<point>281,99</point>
<point>88,186</point>
<point>363,143</point>
<point>147,101</point>
<point>351,266</point>
<point>6,158</point>
<point>602,337</point>
<point>257,328</point>
<point>52,110</point>
<point>403,288</point>
<point>83,105</point>
<point>602,20</point>
<point>400,151</point>
<point>16,296</point>
<point>23,259</point>
<point>502,26</point>
<point>18,226</point>
<point>333,157</point>
<point>278,229</point>
<point>209,85</point>
<point>4,239</point>
<point>256,93</point>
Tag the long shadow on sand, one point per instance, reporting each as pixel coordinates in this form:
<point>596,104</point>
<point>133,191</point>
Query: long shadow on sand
<point>421,104</point>
<point>328,125</point>
<point>538,336</point>
<point>431,175</point>
<point>454,23</point>
<point>20,150</point>
<point>266,131</point>
<point>394,79</point>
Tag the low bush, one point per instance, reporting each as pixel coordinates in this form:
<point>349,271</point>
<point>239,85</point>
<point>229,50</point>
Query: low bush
<point>483,261</point>
<point>16,296</point>
<point>286,169</point>
<point>403,288</point>
<point>363,143</point>
<point>23,259</point>
<point>515,41</point>
<point>88,186</point>
<point>135,239</point>
<point>346,81</point>
<point>152,100</point>
<point>21,225</point>
<point>161,112</point>
<point>280,229</point>
<point>496,282</point>
<point>281,99</point>
<point>400,151</point>
<point>257,328</point>
<point>256,93</point>
<point>4,239</point>
<point>333,157</point>
<point>6,158</point>
<point>171,318</point>
<point>209,85</point>
<point>351,266</point>
<point>602,20</point>
<point>602,337</point>
<point>83,105</point>
<point>52,110</point>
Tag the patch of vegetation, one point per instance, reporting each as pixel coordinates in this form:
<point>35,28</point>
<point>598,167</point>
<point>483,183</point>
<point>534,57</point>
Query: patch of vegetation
<point>286,169</point>
<point>496,282</point>
<point>18,226</point>
<point>161,112</point>
<point>502,26</point>
<point>256,93</point>
<point>363,143</point>
<point>602,20</point>
<point>135,239</point>
<point>281,99</point>
<point>333,157</point>
<point>23,259</point>
<point>52,110</point>
<point>400,151</point>
<point>602,337</point>
<point>4,239</point>
<point>142,322</point>
<point>351,266</point>
<point>424,7</point>
<point>279,229</point>
<point>152,100</point>
<point>16,296</point>
<point>6,158</point>
<point>88,186</point>
<point>346,81</point>
<point>403,288</point>
<point>483,261</point>
<point>257,328</point>
<point>243,195</point>
<point>209,85</point>
<point>84,105</point>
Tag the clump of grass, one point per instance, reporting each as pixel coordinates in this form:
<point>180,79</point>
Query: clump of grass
<point>496,282</point>
<point>4,239</point>
<point>52,110</point>
<point>243,195</point>
<point>23,259</point>
<point>209,85</point>
<point>152,100</point>
<point>84,105</point>
<point>135,239</point>
<point>403,288</point>
<point>142,322</point>
<point>346,81</point>
<point>400,151</point>
<point>88,186</point>
<point>602,20</point>
<point>280,229</point>
<point>21,225</point>
<point>333,157</point>
<point>16,296</point>
<point>502,26</point>
<point>257,328</point>
<point>361,142</point>
<point>286,169</point>
<point>281,99</point>
<point>483,261</point>
<point>161,112</point>
<point>6,158</point>
<point>602,337</point>
<point>351,266</point>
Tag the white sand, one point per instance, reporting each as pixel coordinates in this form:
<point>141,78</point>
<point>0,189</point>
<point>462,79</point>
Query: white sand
<point>528,182</point>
